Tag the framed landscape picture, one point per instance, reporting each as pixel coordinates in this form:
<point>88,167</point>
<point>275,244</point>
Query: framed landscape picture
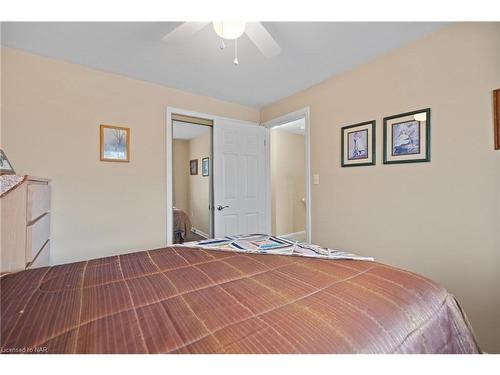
<point>193,167</point>
<point>358,144</point>
<point>115,143</point>
<point>205,167</point>
<point>407,137</point>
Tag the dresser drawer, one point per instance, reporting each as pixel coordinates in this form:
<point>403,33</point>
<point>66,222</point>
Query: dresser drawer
<point>43,257</point>
<point>38,201</point>
<point>36,235</point>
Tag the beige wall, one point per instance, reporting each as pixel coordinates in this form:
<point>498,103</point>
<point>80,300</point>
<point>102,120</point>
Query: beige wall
<point>51,111</point>
<point>199,186</point>
<point>440,219</point>
<point>288,211</point>
<point>180,174</point>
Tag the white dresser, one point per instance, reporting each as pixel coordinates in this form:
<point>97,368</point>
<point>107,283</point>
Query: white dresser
<point>25,225</point>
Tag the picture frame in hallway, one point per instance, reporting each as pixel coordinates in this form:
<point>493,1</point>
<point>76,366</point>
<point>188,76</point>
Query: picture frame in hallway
<point>114,143</point>
<point>193,167</point>
<point>205,167</point>
<point>407,137</point>
<point>358,144</point>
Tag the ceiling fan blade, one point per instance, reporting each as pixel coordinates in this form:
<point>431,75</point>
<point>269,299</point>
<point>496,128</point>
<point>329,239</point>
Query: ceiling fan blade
<point>184,31</point>
<point>262,39</point>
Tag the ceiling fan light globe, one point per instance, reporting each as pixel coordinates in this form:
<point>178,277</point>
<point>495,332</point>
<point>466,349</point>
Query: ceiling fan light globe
<point>229,29</point>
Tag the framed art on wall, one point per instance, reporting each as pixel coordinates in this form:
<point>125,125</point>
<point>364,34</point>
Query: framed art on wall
<point>407,137</point>
<point>193,167</point>
<point>115,143</point>
<point>496,117</point>
<point>5,166</point>
<point>205,167</point>
<point>358,144</point>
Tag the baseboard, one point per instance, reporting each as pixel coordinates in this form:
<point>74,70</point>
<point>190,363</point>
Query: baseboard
<point>199,232</point>
<point>294,235</point>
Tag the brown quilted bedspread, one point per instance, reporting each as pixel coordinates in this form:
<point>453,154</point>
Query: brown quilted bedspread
<point>183,300</point>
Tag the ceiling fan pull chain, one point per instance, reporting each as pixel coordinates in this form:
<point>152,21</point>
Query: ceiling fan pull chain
<point>222,44</point>
<point>236,62</point>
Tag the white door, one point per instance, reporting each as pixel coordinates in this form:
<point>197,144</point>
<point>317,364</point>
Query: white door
<point>239,178</point>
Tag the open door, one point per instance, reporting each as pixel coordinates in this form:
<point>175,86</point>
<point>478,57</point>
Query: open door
<point>239,178</point>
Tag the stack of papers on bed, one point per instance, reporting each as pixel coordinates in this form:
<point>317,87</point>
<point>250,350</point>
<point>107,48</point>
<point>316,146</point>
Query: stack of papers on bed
<point>266,244</point>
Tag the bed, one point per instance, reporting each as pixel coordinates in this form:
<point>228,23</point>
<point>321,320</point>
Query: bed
<point>182,299</point>
<point>182,225</point>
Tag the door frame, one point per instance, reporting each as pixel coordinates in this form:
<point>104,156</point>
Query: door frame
<point>169,166</point>
<point>289,117</point>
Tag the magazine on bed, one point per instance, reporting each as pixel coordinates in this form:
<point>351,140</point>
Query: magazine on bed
<point>267,244</point>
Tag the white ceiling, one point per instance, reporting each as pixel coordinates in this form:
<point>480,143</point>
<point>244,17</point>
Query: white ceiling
<point>312,52</point>
<point>186,130</point>
<point>296,127</point>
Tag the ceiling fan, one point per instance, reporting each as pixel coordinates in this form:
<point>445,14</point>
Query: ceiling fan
<point>229,30</point>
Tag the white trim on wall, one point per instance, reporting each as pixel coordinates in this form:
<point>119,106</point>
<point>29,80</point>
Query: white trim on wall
<point>303,113</point>
<point>199,232</point>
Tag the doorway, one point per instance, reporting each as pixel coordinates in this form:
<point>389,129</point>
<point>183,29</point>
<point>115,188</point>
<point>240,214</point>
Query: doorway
<point>289,206</point>
<point>192,179</point>
<point>236,174</point>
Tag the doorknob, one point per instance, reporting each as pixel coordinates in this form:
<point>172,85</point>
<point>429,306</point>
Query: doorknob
<point>220,208</point>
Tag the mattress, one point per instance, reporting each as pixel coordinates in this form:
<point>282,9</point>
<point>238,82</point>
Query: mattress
<point>187,300</point>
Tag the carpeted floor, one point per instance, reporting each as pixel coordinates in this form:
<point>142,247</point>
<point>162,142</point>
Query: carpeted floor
<point>194,237</point>
<point>190,237</point>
